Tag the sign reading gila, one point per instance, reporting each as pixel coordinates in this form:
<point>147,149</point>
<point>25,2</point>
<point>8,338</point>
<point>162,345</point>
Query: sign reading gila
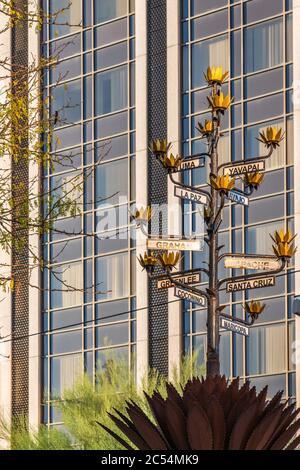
<point>251,284</point>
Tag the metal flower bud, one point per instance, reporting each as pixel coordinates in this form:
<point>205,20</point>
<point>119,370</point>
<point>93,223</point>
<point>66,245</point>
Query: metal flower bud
<point>159,147</point>
<point>207,129</point>
<point>215,76</point>
<point>272,137</point>
<point>254,180</point>
<point>222,183</point>
<point>171,163</point>
<point>142,215</point>
<point>219,103</point>
<point>169,261</point>
<point>284,247</point>
<point>148,261</point>
<point>254,309</point>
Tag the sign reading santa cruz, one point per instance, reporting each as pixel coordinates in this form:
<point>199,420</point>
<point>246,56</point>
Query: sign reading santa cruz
<point>193,196</point>
<point>242,169</point>
<point>258,283</point>
<point>258,264</point>
<point>175,245</point>
<point>190,296</point>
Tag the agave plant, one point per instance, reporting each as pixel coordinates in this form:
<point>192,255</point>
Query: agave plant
<point>207,129</point>
<point>169,261</point>
<point>210,414</point>
<point>219,103</point>
<point>254,309</point>
<point>159,147</point>
<point>254,180</point>
<point>272,137</point>
<point>283,247</point>
<point>142,215</point>
<point>171,162</point>
<point>222,183</point>
<point>148,261</point>
<point>215,75</point>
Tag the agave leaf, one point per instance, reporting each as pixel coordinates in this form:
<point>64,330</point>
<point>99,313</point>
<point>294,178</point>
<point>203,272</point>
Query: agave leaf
<point>151,434</point>
<point>115,436</point>
<point>294,444</point>
<point>176,424</point>
<point>132,434</point>
<point>242,427</point>
<point>287,418</point>
<point>286,437</point>
<point>216,418</point>
<point>263,432</point>
<point>199,429</point>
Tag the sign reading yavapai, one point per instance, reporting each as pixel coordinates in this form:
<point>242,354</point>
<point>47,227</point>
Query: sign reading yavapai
<point>234,326</point>
<point>190,296</point>
<point>193,196</point>
<point>175,245</point>
<point>258,264</point>
<point>186,279</point>
<point>258,283</point>
<point>235,196</point>
<point>190,165</point>
<point>242,169</point>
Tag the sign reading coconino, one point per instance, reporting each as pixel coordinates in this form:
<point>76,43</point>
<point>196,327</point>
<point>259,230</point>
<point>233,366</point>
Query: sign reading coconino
<point>186,295</point>
<point>234,326</point>
<point>193,196</point>
<point>258,264</point>
<point>175,245</point>
<point>251,284</point>
<point>187,279</point>
<point>190,165</point>
<point>242,169</point>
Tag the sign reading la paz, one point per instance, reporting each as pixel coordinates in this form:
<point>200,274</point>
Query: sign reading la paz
<point>235,196</point>
<point>190,296</point>
<point>193,196</point>
<point>242,169</point>
<point>234,326</point>
<point>186,279</point>
<point>258,283</point>
<point>175,245</point>
<point>258,264</point>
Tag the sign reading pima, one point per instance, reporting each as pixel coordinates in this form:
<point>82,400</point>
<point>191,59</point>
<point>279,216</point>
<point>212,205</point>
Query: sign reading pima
<point>258,264</point>
<point>190,165</point>
<point>242,169</point>
<point>234,326</point>
<point>176,245</point>
<point>193,196</point>
<point>258,283</point>
<point>187,279</point>
<point>234,196</point>
<point>190,296</point>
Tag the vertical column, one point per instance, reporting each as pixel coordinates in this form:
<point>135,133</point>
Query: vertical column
<point>174,203</point>
<point>296,39</point>
<point>157,178</point>
<point>141,184</point>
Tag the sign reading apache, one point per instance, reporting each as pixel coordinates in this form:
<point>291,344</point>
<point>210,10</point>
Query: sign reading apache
<point>190,296</point>
<point>234,196</point>
<point>186,279</point>
<point>242,169</point>
<point>175,245</point>
<point>234,326</point>
<point>258,264</point>
<point>258,283</point>
<point>193,196</point>
<point>190,165</point>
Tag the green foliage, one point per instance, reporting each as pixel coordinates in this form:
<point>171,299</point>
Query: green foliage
<point>88,404</point>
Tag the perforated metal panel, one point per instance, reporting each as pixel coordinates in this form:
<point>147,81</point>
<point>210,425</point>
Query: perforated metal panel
<point>157,178</point>
<point>20,303</point>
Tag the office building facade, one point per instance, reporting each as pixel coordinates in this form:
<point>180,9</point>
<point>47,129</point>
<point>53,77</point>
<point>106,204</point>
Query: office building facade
<point>128,72</point>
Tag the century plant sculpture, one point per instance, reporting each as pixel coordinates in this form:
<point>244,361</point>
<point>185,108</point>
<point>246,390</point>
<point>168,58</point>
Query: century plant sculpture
<point>222,186</point>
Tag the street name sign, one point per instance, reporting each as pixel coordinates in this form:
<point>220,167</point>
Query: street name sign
<point>234,326</point>
<point>258,264</point>
<point>190,296</point>
<point>176,245</point>
<point>190,165</point>
<point>193,196</point>
<point>241,169</point>
<point>258,283</point>
<point>234,196</point>
<point>186,279</point>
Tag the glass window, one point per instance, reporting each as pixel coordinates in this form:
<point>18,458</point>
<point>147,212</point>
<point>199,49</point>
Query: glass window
<point>65,371</point>
<point>266,209</point>
<point>64,318</point>
<point>254,148</point>
<point>66,285</point>
<point>111,32</point>
<point>275,383</point>
<point>259,9</point>
<point>105,356</point>
<point>65,17</point>
<point>66,103</point>
<point>66,342</point>
<point>111,125</point>
<point>66,47</point>
<point>112,335</point>
<point>66,70</point>
<point>266,350</point>
<point>64,228</point>
<point>210,24</point>
<point>66,137</point>
<point>66,251</point>
<point>112,276</point>
<point>264,108</point>
<point>211,52</point>
<point>263,83</point>
<point>109,312</point>
<point>258,238</point>
<point>106,10</point>
<point>200,6</point>
<point>263,46</point>
<point>113,148</point>
<point>110,56</point>
<point>112,183</point>
<point>111,90</point>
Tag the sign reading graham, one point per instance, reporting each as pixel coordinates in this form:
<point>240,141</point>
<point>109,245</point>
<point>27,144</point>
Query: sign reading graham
<point>193,196</point>
<point>234,196</point>
<point>175,245</point>
<point>190,296</point>
<point>234,326</point>
<point>251,284</point>
<point>190,165</point>
<point>186,279</point>
<point>242,169</point>
<point>258,264</point>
